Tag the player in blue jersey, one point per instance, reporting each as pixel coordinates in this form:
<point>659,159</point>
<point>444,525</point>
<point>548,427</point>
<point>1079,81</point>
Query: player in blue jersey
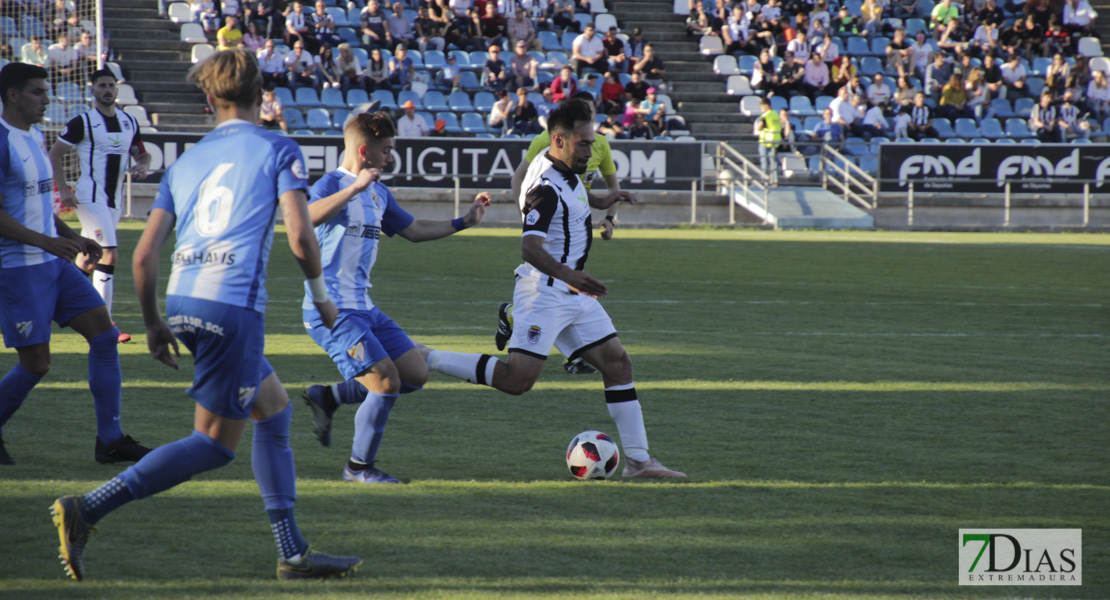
<point>350,210</point>
<point>38,288</point>
<point>223,196</point>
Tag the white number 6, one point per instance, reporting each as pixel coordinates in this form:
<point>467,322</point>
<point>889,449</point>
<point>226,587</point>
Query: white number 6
<point>214,203</point>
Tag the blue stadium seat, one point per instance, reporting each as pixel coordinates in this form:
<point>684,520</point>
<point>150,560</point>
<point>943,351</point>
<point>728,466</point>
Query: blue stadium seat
<point>434,59</point>
<point>484,134</point>
<point>966,128</point>
<point>913,26</point>
<point>1040,66</point>
<point>429,120</point>
<point>1005,140</point>
<point>333,98</point>
<point>746,63</point>
<point>435,101</point>
<point>1023,107</point>
<point>460,101</point>
<point>417,59</point>
<point>462,59</point>
<point>9,29</point>
<point>478,59</point>
<point>353,15</point>
<point>349,35</point>
<point>869,164</point>
<point>955,140</point>
<point>567,41</point>
<point>468,80</point>
<point>385,97</point>
<point>473,123</point>
<point>878,46</point>
<point>869,66</point>
<point>858,46</point>
<point>56,114</point>
<point>1001,108</point>
<point>822,103</point>
<point>801,106</point>
<point>293,118</point>
<point>452,122</point>
<point>356,97</point>
<point>285,96</point>
<point>483,102</point>
<point>339,117</point>
<point>1017,128</point>
<point>1035,85</point>
<point>1033,141</point>
<point>318,118</point>
<point>307,98</point>
<point>811,124</point>
<point>409,96</point>
<point>30,25</point>
<point>69,92</point>
<point>338,16</point>
<point>550,40</point>
<point>943,127</point>
<point>856,146</point>
<point>778,103</point>
<point>557,57</point>
<point>992,128</point>
<point>303,132</point>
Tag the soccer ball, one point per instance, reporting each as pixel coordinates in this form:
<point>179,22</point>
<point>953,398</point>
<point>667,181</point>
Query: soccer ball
<point>592,455</point>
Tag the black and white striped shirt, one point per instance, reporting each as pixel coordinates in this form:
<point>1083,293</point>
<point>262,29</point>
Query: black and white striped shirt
<point>1069,114</point>
<point>556,208</point>
<point>1047,116</point>
<point>920,115</point>
<point>104,146</point>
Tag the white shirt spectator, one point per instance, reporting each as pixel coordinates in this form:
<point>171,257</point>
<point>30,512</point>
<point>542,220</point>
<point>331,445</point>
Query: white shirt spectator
<point>60,57</point>
<point>588,47</point>
<point>842,110</point>
<point>414,127</point>
<point>874,116</point>
<point>832,52</point>
<point>922,54</point>
<point>301,63</point>
<point>984,36</point>
<point>878,93</point>
<point>1012,74</point>
<point>1098,94</point>
<point>296,20</point>
<point>460,5</point>
<point>799,48</point>
<point>771,13</point>
<point>231,8</point>
<point>1081,15</point>
<point>270,61</point>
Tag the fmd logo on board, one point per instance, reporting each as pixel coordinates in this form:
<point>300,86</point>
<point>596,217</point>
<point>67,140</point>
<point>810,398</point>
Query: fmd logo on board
<point>1021,557</point>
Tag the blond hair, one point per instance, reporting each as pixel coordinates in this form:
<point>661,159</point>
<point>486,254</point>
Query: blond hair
<point>228,76</point>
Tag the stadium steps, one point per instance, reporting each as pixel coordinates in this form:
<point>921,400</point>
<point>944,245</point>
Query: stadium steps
<point>806,208</point>
<point>697,93</point>
<point>155,62</point>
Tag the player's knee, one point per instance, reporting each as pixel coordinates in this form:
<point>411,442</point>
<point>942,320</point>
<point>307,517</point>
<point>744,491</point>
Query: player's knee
<point>516,386</point>
<point>38,366</point>
<point>109,257</point>
<point>381,384</point>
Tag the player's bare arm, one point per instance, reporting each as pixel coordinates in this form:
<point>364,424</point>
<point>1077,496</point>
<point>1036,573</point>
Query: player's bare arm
<point>611,199</point>
<point>61,247</point>
<point>423,230</point>
<point>88,247</point>
<point>324,209</point>
<point>141,168</point>
<point>613,183</point>
<point>305,247</point>
<point>144,264</point>
<point>58,154</point>
<point>531,249</point>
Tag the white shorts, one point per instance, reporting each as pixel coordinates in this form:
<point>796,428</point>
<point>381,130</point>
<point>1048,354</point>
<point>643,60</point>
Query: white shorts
<point>98,222</point>
<point>544,316</point>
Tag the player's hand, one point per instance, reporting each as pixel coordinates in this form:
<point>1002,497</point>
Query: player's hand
<point>328,312</point>
<point>606,229</point>
<point>66,196</point>
<point>477,210</point>
<point>365,178</point>
<point>159,340</point>
<point>138,172</point>
<point>584,283</point>
<point>91,249</point>
<point>62,248</point>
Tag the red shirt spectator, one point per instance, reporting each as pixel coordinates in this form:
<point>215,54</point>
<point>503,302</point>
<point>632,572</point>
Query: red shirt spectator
<point>564,85</point>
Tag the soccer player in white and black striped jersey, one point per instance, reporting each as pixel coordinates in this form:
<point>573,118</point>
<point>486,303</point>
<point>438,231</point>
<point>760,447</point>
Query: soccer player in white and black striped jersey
<point>555,298</point>
<point>108,145</point>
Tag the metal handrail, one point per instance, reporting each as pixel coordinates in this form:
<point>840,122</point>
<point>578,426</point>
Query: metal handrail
<point>750,176</point>
<point>852,174</point>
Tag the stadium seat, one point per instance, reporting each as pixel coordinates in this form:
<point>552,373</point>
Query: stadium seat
<point>1023,107</point>
<point>746,63</point>
<point>955,140</point>
<point>1017,128</point>
<point>856,146</point>
<point>583,19</point>
<point>1034,85</point>
<point>992,128</point>
<point>452,122</point>
<point>285,96</point>
<point>966,128</point>
<point>386,98</point>
<point>567,41</point>
<point>1099,63</point>
<point>822,103</point>
<point>293,118</point>
<point>409,96</point>
<point>598,6</point>
<point>201,52</point>
<point>1000,108</point>
<point>332,98</point>
<point>307,98</point>
<point>603,22</point>
<point>435,101</point>
<point>738,85</point>
<point>362,55</point>
<point>858,46</point>
<point>1088,46</point>
<point>179,13</point>
<point>801,106</point>
<point>1082,141</point>
<point>318,118</point>
<point>869,164</point>
<point>303,132</point>
<point>417,59</point>
<point>549,40</point>
<point>356,97</point>
<point>193,33</point>
<point>478,60</point>
<point>944,128</point>
<point>778,103</point>
<point>30,25</point>
<point>811,123</point>
<point>9,29</point>
<point>556,59</point>
<point>429,120</point>
<point>353,14</point>
<point>473,122</point>
<point>711,45</point>
<point>125,95</point>
<point>749,106</point>
<point>666,101</point>
<point>468,80</point>
<point>56,115</point>
<point>1040,66</point>
<point>725,65</point>
<point>869,66</point>
<point>339,117</point>
<point>979,141</point>
<point>338,16</point>
<point>1033,141</point>
<point>1005,140</point>
<point>913,26</point>
<point>135,111</point>
<point>483,102</point>
<point>460,101</point>
<point>434,59</point>
<point>878,46</point>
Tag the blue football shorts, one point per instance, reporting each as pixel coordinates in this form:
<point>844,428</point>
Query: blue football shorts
<point>359,339</point>
<point>226,343</point>
<point>33,295</point>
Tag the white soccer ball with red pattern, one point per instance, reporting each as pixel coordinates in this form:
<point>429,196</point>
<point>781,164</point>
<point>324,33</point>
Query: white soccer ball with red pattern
<point>593,455</point>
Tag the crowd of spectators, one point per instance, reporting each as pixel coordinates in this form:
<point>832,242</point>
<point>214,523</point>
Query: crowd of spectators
<point>915,70</point>
<point>53,35</point>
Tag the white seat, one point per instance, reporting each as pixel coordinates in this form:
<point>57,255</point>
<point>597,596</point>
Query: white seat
<point>140,115</point>
<point>686,138</point>
<point>1089,46</point>
<point>598,6</point>
<point>193,33</point>
<point>665,100</point>
<point>739,85</point>
<point>603,22</point>
<point>202,51</point>
<point>148,129</point>
<point>125,95</point>
<point>749,106</point>
<point>1100,63</point>
<point>725,64</point>
<point>179,12</point>
<point>118,72</point>
<point>711,45</point>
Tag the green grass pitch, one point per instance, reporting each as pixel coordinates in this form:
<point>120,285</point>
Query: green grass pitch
<point>843,404</point>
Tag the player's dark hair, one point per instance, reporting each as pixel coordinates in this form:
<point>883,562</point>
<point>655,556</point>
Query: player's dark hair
<point>16,75</point>
<point>568,116</point>
<point>372,126</point>
<point>584,96</point>
<point>101,73</point>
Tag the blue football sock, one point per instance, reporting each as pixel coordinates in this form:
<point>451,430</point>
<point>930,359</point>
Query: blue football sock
<point>174,463</point>
<point>272,460</point>
<point>349,392</point>
<point>105,499</point>
<point>370,426</point>
<point>106,383</point>
<point>291,545</point>
<point>408,388</point>
<point>14,387</point>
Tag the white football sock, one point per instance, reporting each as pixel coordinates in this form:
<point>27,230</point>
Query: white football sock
<point>464,366</point>
<point>103,281</point>
<point>629,418</point>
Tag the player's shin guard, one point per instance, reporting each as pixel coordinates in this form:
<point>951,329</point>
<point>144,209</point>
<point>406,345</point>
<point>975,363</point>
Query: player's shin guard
<point>103,281</point>
<point>474,368</point>
<point>272,460</point>
<point>174,463</point>
<point>349,392</point>
<point>625,409</point>
<point>370,423</point>
<point>14,388</point>
<point>106,384</point>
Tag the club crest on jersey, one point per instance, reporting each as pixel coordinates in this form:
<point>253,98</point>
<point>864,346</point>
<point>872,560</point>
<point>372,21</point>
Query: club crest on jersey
<point>298,169</point>
<point>357,352</point>
<point>533,217</point>
<point>99,235</point>
<point>25,328</point>
<point>246,395</point>
<point>534,334</point>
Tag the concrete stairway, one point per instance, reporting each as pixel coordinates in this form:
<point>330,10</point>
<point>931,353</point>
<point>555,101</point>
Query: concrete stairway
<point>155,62</point>
<point>698,94</point>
